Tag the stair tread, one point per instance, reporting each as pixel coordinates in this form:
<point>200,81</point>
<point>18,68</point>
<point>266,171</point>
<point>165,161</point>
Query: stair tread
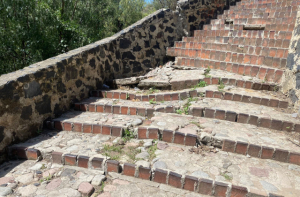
<point>246,108</point>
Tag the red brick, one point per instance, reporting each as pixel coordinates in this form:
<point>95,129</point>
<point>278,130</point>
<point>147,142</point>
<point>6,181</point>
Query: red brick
<point>116,131</point>
<point>243,118</point>
<point>132,110</point>
<point>287,126</point>
<point>276,124</point>
<point>67,126</point>
<point>179,138</point>
<point>167,136</point>
<point>246,99</point>
<point>209,93</point>
<point>145,98</point>
<point>97,129</point>
<point>83,107</point>
<point>116,109</point>
<point>283,104</point>
<point>264,101</point>
<point>129,169</point>
<point>97,163</point>
<point>106,130</point>
<point>237,97</point>
<point>228,145</point>
<point>193,93</point>
<point>237,191</point>
<point>190,139</point>
<point>281,155</point>
<point>108,108</point>
<point>228,96</point>
<point>100,108</point>
<point>102,94</point>
<point>70,159</point>
<point>77,127</point>
<point>253,120</point>
<point>267,152</point>
<point>209,113</point>
<point>83,161</point>
<point>58,125</point>
<point>131,96</point>
<point>109,94</point>
<point>153,133</point>
<point>205,186</point>
<point>159,97</point>
<point>142,133</point>
<point>231,116</point>
<point>274,103</point>
<point>254,150</point>
<point>265,122</point>
<point>190,183</point>
<point>240,83</point>
<point>124,110</point>
<point>196,111</point>
<point>297,128</point>
<point>123,96</point>
<point>220,189</point>
<point>33,154</point>
<point>160,176</point>
<point>241,148</point>
<point>220,114</point>
<point>175,179</point>
<point>141,111</point>
<point>56,157</point>
<point>92,108</point>
<point>87,128</point>
<point>113,166</point>
<point>144,172</point>
<point>294,158</point>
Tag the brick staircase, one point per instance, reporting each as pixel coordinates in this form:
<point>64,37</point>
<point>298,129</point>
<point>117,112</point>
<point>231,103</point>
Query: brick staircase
<point>222,91</point>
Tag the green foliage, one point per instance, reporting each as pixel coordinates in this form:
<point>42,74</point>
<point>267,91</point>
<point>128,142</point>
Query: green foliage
<point>206,72</point>
<point>221,85</point>
<point>152,90</point>
<point>151,150</point>
<point>34,30</point>
<point>200,85</point>
<point>158,4</point>
<point>152,101</point>
<point>128,135</point>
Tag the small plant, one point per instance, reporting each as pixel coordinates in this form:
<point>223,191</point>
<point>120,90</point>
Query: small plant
<point>221,85</point>
<point>179,111</point>
<point>102,187</point>
<point>226,176</point>
<point>132,153</point>
<point>128,135</point>
<point>206,72</point>
<point>152,101</point>
<point>197,124</point>
<point>201,94</point>
<point>151,150</point>
<point>152,90</point>
<point>127,96</point>
<point>115,102</point>
<point>200,85</point>
<point>39,131</point>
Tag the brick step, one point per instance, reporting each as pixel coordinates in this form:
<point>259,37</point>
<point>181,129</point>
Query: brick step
<point>229,109</point>
<point>249,140</point>
<point>244,34</point>
<point>261,72</point>
<point>268,27</point>
<point>256,21</point>
<point>249,50</point>
<point>229,57</point>
<point>258,42</point>
<point>235,10</point>
<point>234,93</point>
<point>258,14</point>
<point>159,179</point>
<point>262,4</point>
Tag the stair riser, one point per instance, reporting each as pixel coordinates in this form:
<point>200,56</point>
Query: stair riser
<point>257,42</point>
<point>256,21</point>
<point>227,57</point>
<point>263,15</point>
<point>197,49</point>
<point>268,27</point>
<point>244,34</point>
<point>268,74</point>
<point>179,96</point>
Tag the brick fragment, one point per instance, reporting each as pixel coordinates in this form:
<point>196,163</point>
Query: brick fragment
<point>70,159</point>
<point>190,183</point>
<point>83,161</point>
<point>97,163</point>
<point>33,154</point>
<point>129,169</point>
<point>175,179</point>
<point>160,176</point>
<point>113,166</point>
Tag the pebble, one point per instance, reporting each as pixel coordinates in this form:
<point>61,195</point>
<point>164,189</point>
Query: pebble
<point>162,145</point>
<point>4,191</point>
<point>36,166</point>
<point>98,179</point>
<point>27,191</point>
<point>142,155</point>
<point>5,180</point>
<point>137,122</point>
<point>25,179</point>
<point>147,143</point>
<point>86,189</point>
<point>160,164</point>
<point>54,184</point>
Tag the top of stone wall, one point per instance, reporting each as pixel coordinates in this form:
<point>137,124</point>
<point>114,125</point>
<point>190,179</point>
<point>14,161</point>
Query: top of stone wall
<point>51,62</point>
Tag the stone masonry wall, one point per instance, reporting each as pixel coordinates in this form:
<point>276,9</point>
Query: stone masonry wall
<point>47,89</point>
<point>291,80</point>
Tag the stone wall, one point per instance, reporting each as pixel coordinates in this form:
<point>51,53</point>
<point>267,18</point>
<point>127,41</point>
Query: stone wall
<point>291,79</point>
<point>47,89</point>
